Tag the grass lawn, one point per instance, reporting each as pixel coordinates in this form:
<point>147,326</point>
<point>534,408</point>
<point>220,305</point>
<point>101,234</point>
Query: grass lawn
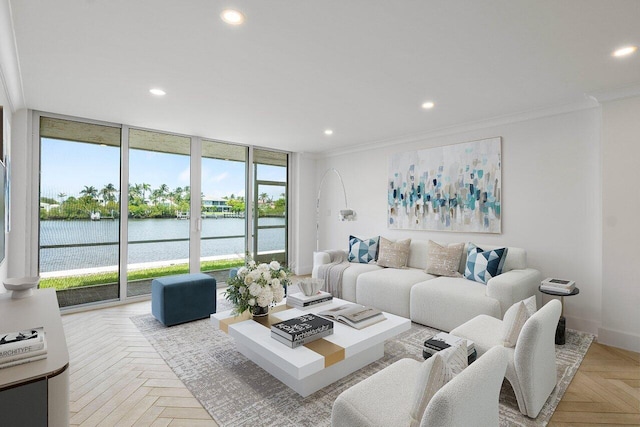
<point>104,278</point>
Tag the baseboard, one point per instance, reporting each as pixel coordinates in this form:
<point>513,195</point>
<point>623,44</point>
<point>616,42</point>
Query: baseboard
<point>620,339</point>
<point>583,325</point>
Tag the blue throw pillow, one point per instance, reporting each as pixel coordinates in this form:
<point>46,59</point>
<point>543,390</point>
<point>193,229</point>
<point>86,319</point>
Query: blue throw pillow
<point>483,265</point>
<point>363,251</point>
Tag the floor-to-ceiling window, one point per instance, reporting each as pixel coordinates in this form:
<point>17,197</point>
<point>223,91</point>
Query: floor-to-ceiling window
<point>159,208</point>
<point>93,249</point>
<point>270,205</point>
<point>79,210</point>
<point>224,187</point>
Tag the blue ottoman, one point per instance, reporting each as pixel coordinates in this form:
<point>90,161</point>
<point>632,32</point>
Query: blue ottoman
<point>183,298</point>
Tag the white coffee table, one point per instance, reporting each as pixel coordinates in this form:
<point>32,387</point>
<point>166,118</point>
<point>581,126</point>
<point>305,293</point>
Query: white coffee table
<point>313,366</point>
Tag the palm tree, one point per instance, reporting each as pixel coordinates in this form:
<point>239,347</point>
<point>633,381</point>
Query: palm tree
<point>263,197</point>
<point>62,196</point>
<point>164,189</point>
<point>145,188</point>
<point>90,191</point>
<point>107,193</point>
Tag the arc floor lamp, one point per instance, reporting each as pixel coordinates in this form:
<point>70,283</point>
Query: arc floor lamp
<point>345,214</point>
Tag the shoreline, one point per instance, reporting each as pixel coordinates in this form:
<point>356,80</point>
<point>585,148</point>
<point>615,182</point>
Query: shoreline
<point>138,266</point>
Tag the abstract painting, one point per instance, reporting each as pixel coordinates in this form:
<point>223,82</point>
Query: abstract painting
<point>451,188</point>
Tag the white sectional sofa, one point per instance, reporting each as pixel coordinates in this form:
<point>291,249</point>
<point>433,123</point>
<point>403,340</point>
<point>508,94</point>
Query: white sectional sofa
<point>440,302</point>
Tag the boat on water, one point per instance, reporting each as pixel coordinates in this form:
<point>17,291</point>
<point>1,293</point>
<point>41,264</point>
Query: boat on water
<point>95,216</point>
<point>182,215</point>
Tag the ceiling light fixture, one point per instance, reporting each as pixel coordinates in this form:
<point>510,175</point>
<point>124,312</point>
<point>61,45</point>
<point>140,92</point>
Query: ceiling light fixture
<point>328,132</point>
<point>232,17</point>
<point>624,51</point>
<point>428,105</point>
<point>157,92</point>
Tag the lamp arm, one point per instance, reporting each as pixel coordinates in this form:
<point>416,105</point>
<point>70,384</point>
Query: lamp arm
<point>346,205</point>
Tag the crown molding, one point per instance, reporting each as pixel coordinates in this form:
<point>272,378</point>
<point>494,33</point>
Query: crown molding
<point>9,63</point>
<point>617,93</point>
<point>588,103</point>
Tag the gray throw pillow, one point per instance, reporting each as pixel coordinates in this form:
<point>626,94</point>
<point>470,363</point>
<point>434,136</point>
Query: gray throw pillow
<point>393,254</point>
<point>444,260</point>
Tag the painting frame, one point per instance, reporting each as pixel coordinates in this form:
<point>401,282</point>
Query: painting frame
<point>454,188</point>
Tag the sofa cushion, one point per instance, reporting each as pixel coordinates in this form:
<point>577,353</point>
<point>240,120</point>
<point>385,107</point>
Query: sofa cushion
<point>393,254</point>
<point>515,318</point>
<point>447,302</point>
<point>418,253</point>
<point>363,250</point>
<point>389,289</point>
<point>483,265</point>
<point>482,331</point>
<point>350,276</point>
<point>444,260</point>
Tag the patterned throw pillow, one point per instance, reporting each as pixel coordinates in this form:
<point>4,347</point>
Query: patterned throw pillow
<point>363,251</point>
<point>444,260</point>
<point>484,265</point>
<point>515,318</point>
<point>393,254</point>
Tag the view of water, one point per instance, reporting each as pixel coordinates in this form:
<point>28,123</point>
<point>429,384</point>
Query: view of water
<point>142,230</point>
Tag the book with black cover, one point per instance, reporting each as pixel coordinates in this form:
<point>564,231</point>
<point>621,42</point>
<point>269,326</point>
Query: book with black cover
<point>301,327</point>
<point>301,342</point>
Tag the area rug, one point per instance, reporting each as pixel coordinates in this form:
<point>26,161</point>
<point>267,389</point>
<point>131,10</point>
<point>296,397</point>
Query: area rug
<point>237,392</point>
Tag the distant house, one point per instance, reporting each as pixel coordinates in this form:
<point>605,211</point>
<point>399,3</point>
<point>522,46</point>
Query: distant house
<point>48,206</point>
<point>212,204</point>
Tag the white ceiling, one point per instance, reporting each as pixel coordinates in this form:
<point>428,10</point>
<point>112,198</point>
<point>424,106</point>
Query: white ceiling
<point>296,68</point>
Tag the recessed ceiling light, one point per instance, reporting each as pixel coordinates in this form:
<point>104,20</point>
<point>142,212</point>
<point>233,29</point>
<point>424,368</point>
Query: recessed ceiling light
<point>428,105</point>
<point>157,92</point>
<point>624,51</point>
<point>232,17</point>
<point>328,132</point>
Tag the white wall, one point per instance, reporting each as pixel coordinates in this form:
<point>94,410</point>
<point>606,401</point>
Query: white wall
<point>621,224</point>
<point>551,200</point>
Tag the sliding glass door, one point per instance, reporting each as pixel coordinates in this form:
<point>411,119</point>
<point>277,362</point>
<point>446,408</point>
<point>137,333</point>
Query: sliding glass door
<point>79,210</point>
<point>159,208</point>
<point>92,249</point>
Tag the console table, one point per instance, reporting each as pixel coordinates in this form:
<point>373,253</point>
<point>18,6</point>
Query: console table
<point>35,393</point>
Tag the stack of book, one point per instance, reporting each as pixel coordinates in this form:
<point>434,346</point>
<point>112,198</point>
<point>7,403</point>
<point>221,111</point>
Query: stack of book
<point>559,286</point>
<point>300,300</point>
<point>22,347</point>
<point>443,340</point>
<point>301,330</point>
<point>355,315</point>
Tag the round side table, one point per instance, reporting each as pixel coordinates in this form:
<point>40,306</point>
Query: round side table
<point>561,329</point>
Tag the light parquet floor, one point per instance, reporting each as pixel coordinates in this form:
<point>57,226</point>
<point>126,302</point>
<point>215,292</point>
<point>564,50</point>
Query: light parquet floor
<point>117,379</point>
<point>605,390</point>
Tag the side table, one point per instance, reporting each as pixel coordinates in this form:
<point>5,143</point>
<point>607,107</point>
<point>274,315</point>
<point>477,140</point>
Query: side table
<point>561,329</point>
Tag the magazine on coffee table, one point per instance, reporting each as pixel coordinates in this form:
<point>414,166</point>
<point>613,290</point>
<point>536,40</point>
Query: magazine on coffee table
<point>355,315</point>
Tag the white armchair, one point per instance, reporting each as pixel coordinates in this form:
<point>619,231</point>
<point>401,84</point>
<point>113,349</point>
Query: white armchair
<point>385,398</point>
<point>532,362</point>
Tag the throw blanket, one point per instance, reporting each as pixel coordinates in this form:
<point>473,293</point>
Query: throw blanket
<point>332,273</point>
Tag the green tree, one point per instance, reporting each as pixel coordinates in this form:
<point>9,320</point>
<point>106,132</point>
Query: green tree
<point>90,191</point>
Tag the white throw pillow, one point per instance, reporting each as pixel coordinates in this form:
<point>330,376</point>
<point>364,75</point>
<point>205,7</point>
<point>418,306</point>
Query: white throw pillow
<point>431,377</point>
<point>515,318</point>
<point>434,373</point>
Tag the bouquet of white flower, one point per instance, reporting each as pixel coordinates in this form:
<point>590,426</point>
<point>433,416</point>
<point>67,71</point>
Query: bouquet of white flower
<point>257,286</point>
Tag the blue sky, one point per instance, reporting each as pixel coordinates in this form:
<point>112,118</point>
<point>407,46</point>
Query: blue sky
<point>67,167</point>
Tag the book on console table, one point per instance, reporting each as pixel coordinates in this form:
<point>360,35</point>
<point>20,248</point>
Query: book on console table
<point>300,300</point>
<point>355,315</point>
<point>22,347</point>
<point>302,327</point>
<point>303,341</point>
